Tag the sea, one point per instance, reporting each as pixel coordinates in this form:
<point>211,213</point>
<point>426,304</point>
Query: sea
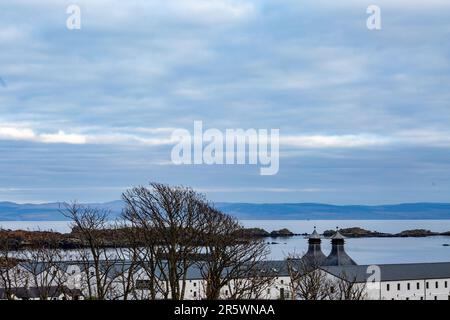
<point>362,250</point>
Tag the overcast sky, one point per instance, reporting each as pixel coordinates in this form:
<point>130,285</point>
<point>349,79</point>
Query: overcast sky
<point>364,116</point>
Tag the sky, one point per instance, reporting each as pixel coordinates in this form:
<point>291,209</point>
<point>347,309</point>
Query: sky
<point>364,115</point>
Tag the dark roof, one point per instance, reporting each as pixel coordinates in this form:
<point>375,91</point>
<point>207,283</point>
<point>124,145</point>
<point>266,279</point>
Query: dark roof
<point>314,256</point>
<point>393,272</point>
<point>314,235</point>
<point>389,272</point>
<point>337,235</point>
<point>35,292</point>
<point>275,267</point>
<point>36,266</point>
<point>338,256</point>
<point>117,269</point>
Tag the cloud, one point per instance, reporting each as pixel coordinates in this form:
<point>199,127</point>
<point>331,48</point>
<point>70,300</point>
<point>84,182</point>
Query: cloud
<point>424,137</point>
<point>11,34</point>
<point>62,137</point>
<point>10,133</point>
<point>27,134</point>
<point>211,11</point>
<point>144,136</point>
<point>335,141</point>
<point>401,4</point>
<point>270,190</point>
<point>163,137</point>
<point>115,14</point>
<point>345,99</point>
<point>400,139</point>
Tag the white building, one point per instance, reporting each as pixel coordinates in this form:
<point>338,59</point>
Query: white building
<point>415,281</point>
<point>411,281</point>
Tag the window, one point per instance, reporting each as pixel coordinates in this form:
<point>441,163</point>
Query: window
<point>418,285</point>
<point>428,285</point>
<point>407,298</point>
<point>73,271</point>
<point>226,292</point>
<point>281,281</point>
<point>398,286</point>
<point>332,289</point>
<point>409,286</point>
<point>142,284</point>
<point>281,293</point>
<point>195,284</point>
<point>421,298</point>
<point>195,294</point>
<point>388,287</point>
<point>435,297</point>
<point>436,284</point>
<point>268,291</point>
<point>445,284</point>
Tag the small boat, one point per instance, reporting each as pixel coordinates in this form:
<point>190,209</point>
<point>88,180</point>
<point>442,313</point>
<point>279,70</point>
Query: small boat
<point>446,245</point>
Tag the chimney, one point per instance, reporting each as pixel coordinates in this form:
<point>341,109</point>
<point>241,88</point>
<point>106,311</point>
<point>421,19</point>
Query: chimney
<point>314,256</point>
<point>338,256</point>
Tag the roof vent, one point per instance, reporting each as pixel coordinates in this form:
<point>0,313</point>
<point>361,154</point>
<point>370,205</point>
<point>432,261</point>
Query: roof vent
<point>338,256</point>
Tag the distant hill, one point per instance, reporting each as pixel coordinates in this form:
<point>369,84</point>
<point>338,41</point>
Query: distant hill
<point>10,211</point>
<point>317,211</point>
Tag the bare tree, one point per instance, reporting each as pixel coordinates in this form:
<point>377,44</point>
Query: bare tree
<point>346,287</point>
<point>11,275</point>
<point>128,254</point>
<point>310,282</point>
<point>171,218</point>
<point>231,256</point>
<point>251,284</point>
<point>137,216</point>
<point>307,280</point>
<point>42,262</point>
<point>90,227</point>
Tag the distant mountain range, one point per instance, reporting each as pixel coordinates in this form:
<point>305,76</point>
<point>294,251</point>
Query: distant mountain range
<point>10,211</point>
<point>318,211</point>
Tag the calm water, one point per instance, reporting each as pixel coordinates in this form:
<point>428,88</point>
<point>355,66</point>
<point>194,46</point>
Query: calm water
<point>389,226</point>
<point>363,250</point>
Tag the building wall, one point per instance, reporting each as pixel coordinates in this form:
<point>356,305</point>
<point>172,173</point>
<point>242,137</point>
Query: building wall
<point>424,289</point>
<point>437,289</point>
